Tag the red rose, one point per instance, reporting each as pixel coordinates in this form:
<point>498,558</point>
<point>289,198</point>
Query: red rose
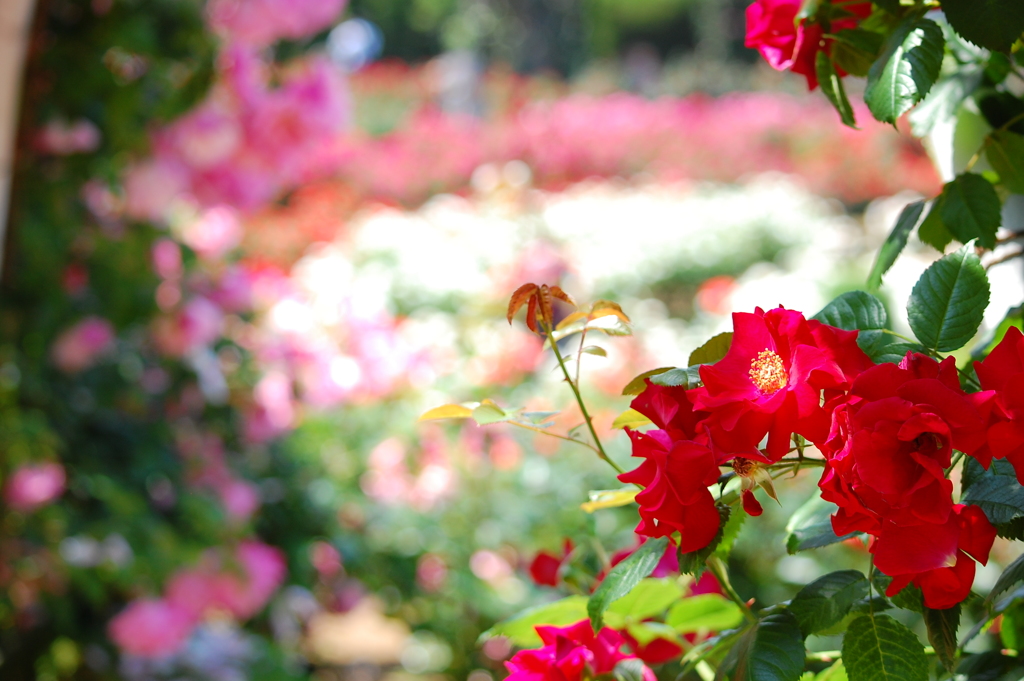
<point>1003,373</point>
<point>570,654</point>
<point>772,381</point>
<point>891,442</point>
<point>772,30</point>
<point>670,409</point>
<point>675,477</point>
<point>938,558</point>
<point>545,566</point>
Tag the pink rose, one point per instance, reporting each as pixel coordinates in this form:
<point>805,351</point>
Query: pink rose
<point>216,232</point>
<point>240,499</point>
<point>34,486</point>
<point>78,347</point>
<point>261,22</point>
<point>197,325</point>
<point>151,628</point>
<point>152,186</point>
<point>62,138</point>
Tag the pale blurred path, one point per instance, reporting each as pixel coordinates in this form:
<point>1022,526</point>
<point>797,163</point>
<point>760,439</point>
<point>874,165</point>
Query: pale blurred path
<point>15,27</point>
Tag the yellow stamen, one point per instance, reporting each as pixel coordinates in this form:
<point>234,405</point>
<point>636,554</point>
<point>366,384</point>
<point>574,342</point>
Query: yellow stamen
<point>768,373</point>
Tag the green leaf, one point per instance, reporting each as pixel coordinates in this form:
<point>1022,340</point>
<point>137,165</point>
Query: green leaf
<point>944,100</point>
<point>895,243</point>
<point>891,6</point>
<point>990,666</point>
<point>827,600</point>
<point>808,8</point>
<point>996,491</point>
<point>878,648</point>
<point>712,351</point>
<point>942,626</point>
<point>855,50</point>
<point>992,24</point>
<point>909,598</point>
<point>933,230</point>
<point>488,413</point>
<point>623,577</point>
<point>1005,153</point>
<point>629,670</point>
<point>832,86</point>
<point>595,350</point>
<point>971,209</point>
<point>703,613</point>
<point>810,526</point>
<point>520,628</point>
<point>1013,573</point>
<point>949,300</point>
<point>649,598</point>
<point>836,672</point>
<point>688,377</point>
<point>645,632</point>
<point>609,498</point>
<point>906,70</point>
<point>637,385</point>
<point>777,653</point>
<point>854,310</point>
<point>630,418</point>
<point>731,526</point>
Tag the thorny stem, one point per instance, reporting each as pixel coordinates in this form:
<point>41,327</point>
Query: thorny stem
<point>579,399</point>
<point>717,568</point>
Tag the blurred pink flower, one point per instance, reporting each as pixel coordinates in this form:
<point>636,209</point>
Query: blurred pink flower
<point>214,233</point>
<point>34,485</point>
<point>63,138</point>
<point>241,590</point>
<point>234,290</point>
<point>166,256</point>
<point>78,347</point>
<point>207,136</point>
<point>275,408</point>
<point>262,22</point>
<point>264,570</point>
<point>239,498</point>
<point>199,323</point>
<point>325,558</point>
<point>151,628</point>
<point>431,572</point>
<point>151,187</point>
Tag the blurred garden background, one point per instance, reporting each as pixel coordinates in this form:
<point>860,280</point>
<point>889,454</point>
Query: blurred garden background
<point>249,242</point>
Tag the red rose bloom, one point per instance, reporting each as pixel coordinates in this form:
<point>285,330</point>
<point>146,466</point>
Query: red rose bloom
<point>938,558</point>
<point>772,381</point>
<point>545,566</point>
<point>675,477</point>
<point>570,654</point>
<point>891,442</point>
<point>1003,372</point>
<point>670,409</point>
<point>773,31</point>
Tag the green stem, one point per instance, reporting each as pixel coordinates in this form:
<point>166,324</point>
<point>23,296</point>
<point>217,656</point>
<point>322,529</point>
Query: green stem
<point>555,435</point>
<point>956,460</point>
<point>579,399</point>
<point>717,568</point>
